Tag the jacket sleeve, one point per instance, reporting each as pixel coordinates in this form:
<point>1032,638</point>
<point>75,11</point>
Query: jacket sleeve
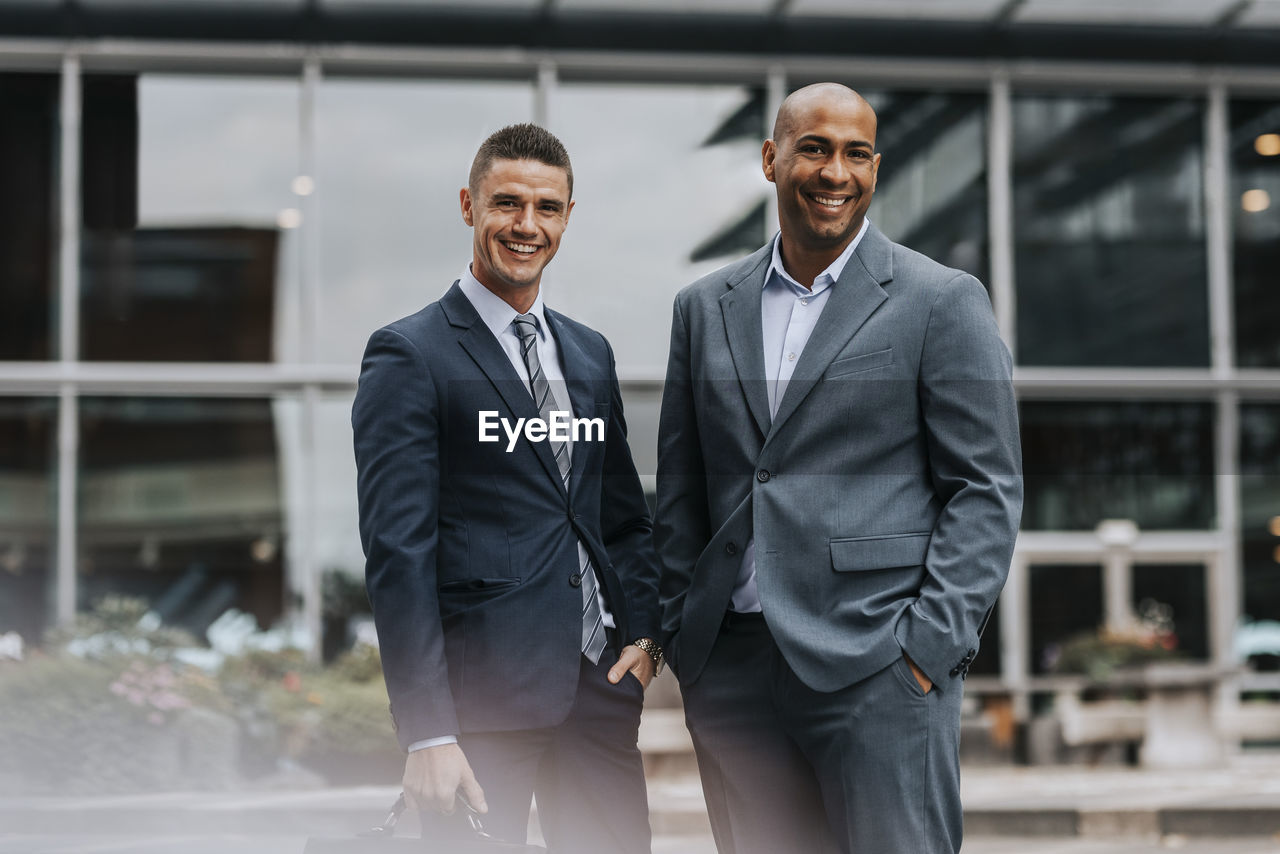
<point>625,524</point>
<point>975,461</point>
<point>395,421</point>
<point>683,526</point>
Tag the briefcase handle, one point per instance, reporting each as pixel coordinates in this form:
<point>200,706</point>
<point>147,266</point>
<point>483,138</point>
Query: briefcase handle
<point>388,826</point>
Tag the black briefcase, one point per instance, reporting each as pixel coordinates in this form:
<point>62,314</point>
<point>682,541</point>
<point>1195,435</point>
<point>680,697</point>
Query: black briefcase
<point>381,839</point>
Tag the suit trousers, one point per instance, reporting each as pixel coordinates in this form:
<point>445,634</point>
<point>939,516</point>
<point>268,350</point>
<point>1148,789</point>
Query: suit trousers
<point>586,773</point>
<point>869,769</point>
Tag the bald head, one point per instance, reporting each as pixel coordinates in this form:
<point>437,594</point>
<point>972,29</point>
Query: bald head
<point>802,101</point>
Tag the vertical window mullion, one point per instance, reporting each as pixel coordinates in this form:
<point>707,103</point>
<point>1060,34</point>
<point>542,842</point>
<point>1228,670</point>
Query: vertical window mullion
<point>1000,208</point>
<point>68,338</point>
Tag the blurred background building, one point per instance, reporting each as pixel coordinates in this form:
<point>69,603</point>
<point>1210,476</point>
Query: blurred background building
<point>207,205</point>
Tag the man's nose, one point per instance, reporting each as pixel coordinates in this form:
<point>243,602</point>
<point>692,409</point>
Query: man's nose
<point>835,170</point>
<point>525,222</point>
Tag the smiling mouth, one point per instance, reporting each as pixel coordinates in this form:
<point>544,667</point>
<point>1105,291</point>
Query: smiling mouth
<point>829,201</point>
<point>521,248</point>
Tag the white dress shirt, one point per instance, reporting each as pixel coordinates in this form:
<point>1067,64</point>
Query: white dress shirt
<point>788,313</point>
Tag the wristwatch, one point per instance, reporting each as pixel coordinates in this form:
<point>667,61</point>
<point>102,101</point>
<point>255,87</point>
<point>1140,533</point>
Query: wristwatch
<point>650,646</point>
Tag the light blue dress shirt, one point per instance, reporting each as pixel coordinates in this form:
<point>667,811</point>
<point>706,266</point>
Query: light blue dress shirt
<point>788,313</point>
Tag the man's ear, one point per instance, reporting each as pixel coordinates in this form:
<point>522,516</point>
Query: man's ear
<point>767,154</point>
<point>875,171</point>
<point>569,210</point>
<point>464,197</point>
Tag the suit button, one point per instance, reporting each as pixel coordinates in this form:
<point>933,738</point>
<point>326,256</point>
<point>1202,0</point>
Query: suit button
<point>762,475</point>
<point>730,549</point>
<point>955,671</point>
<point>575,580</point>
<point>972,653</point>
<point>572,517</point>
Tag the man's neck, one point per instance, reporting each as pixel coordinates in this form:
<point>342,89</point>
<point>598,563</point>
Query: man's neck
<point>805,264</point>
<point>521,299</point>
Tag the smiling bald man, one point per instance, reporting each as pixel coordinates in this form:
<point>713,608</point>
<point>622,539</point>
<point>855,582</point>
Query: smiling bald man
<point>839,490</point>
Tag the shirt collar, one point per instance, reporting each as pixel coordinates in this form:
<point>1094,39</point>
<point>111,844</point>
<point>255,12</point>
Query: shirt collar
<point>494,311</point>
<point>827,277</point>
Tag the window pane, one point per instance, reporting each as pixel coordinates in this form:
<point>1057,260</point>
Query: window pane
<point>180,504</point>
<point>1109,231</point>
<point>1175,591</point>
<point>197,261</point>
<point>931,193</point>
<point>1255,206</point>
<point>337,536</point>
<point>1260,509</point>
<point>28,488</point>
<point>392,156</point>
<point>28,150</point>
<point>1065,600</point>
<point>668,187</point>
<point>1089,461</point>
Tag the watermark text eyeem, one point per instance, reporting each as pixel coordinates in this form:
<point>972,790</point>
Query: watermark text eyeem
<point>561,427</point>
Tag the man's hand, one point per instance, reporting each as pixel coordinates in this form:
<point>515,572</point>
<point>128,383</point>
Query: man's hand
<point>433,775</point>
<point>925,684</point>
<point>636,660</point>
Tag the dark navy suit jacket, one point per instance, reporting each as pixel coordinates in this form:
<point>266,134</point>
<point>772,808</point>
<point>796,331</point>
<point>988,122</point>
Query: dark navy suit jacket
<point>472,550</point>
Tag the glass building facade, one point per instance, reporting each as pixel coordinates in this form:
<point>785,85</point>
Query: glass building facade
<point>194,253</point>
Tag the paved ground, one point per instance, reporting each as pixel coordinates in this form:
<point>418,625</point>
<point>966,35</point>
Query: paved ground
<point>1231,810</point>
<point>232,844</point>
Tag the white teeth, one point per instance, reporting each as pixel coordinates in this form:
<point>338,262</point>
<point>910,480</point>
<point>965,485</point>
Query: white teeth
<point>831,203</point>
<point>522,248</point>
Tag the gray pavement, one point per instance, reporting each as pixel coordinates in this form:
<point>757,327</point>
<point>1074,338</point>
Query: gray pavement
<point>1009,810</point>
<point>242,844</point>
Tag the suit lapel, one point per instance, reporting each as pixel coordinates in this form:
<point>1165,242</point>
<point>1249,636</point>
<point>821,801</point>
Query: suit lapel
<point>492,361</point>
<point>577,367</point>
<point>853,299</point>
<point>742,327</point>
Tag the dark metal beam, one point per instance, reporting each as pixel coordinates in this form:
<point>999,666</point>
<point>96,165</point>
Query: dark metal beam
<point>547,25</point>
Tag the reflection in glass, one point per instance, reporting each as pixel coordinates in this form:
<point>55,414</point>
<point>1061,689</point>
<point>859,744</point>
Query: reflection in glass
<point>28,142</point>
<point>190,262</point>
<point>179,294</point>
<point>27,502</point>
<point>1260,509</point>
<point>1065,600</point>
<point>1109,231</point>
<point>179,503</point>
<point>1179,588</point>
<point>663,175</point>
<point>931,194</point>
<point>1255,209</point>
<point>392,156</point>
<point>1089,461</point>
<point>335,542</point>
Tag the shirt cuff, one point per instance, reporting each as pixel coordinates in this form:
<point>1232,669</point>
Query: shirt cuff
<point>433,742</point>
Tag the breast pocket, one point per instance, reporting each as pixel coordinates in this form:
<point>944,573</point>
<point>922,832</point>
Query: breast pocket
<point>859,363</point>
<point>858,554</point>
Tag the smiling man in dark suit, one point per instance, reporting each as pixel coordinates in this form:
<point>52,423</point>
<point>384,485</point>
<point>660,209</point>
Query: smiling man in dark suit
<point>839,489</point>
<point>509,562</point>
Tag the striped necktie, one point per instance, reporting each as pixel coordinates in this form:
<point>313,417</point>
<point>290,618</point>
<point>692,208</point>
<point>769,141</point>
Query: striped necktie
<point>593,636</point>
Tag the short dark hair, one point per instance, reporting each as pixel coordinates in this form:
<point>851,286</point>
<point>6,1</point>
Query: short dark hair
<point>524,141</point>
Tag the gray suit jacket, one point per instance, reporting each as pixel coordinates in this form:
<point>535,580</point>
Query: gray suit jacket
<point>885,495</point>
